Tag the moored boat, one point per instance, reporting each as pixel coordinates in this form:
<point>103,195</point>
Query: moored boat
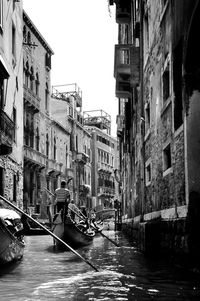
<point>75,235</point>
<point>11,246</point>
<point>98,226</point>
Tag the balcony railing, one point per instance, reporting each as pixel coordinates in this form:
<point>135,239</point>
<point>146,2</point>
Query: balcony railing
<point>54,166</point>
<point>7,128</point>
<point>32,101</point>
<point>34,156</point>
<point>126,69</point>
<point>104,167</point>
<point>82,158</point>
<point>107,191</point>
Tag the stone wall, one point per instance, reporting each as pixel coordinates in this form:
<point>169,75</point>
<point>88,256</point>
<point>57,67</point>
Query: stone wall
<point>159,237</point>
<point>11,168</point>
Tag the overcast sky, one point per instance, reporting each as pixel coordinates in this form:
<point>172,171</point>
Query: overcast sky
<point>82,34</point>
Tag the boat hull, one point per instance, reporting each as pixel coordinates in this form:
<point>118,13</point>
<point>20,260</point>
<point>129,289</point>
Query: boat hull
<point>11,248</point>
<point>72,235</point>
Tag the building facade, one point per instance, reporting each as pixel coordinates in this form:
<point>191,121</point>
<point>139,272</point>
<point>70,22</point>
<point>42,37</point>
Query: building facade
<point>66,107</point>
<point>38,140</point>
<point>11,102</point>
<point>104,149</point>
<point>157,71</point>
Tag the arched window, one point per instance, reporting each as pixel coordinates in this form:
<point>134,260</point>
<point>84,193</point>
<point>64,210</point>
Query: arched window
<point>47,145</point>
<point>46,97</point>
<point>54,148</point>
<point>32,79</point>
<point>31,133</point>
<point>24,34</point>
<point>27,74</point>
<point>37,83</point>
<point>66,155</point>
<point>28,38</point>
<point>26,131</point>
<point>37,140</point>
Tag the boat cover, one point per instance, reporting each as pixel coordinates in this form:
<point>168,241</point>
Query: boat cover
<point>9,214</point>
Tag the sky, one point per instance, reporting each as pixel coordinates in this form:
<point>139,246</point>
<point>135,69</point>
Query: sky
<point>82,35</point>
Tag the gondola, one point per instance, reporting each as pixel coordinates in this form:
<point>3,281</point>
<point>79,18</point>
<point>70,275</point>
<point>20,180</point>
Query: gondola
<point>74,234</point>
<point>11,245</point>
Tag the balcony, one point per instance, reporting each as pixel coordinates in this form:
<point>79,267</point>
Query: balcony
<point>120,125</point>
<point>54,167</point>
<point>104,168</point>
<point>126,69</point>
<point>82,158</point>
<point>84,190</point>
<point>69,172</point>
<point>106,191</point>
<point>123,11</point>
<point>31,100</point>
<point>33,157</point>
<point>7,128</point>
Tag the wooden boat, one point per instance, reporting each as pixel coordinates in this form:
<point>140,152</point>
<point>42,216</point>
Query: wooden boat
<point>35,231</point>
<point>11,246</point>
<point>75,235</point>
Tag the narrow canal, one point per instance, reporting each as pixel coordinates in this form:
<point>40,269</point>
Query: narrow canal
<point>125,274</point>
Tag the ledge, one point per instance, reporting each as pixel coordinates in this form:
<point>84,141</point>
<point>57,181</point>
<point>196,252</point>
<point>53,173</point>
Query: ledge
<point>165,214</point>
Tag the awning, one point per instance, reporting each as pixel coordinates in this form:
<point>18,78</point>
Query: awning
<point>3,69</point>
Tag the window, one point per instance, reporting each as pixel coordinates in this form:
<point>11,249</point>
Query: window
<point>76,142</point>
<point>54,148</point>
<point>1,93</point>
<point>28,38</point>
<point>15,122</point>
<point>31,133</point>
<point>26,131</point>
<point>37,209</point>
<point>167,163</point>
<point>48,60</point>
<point>71,143</point>
<point>66,155</point>
<point>47,145</point>
<point>14,188</point>
<point>46,97</point>
<point>32,79</point>
<point>27,75</point>
<point>37,138</point>
<point>37,83</point>
<point>126,56</point>
<point>148,172</point>
<point>24,34</point>
<point>166,83</point>
<point>147,117</point>
<point>13,45</point>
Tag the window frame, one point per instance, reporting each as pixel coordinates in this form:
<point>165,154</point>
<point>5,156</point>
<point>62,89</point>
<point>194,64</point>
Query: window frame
<point>167,167</point>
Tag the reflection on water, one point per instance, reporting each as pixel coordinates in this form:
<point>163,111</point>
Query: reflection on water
<point>124,274</point>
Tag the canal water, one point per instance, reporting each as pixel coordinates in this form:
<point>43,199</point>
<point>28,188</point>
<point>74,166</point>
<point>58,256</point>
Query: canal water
<point>124,274</point>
